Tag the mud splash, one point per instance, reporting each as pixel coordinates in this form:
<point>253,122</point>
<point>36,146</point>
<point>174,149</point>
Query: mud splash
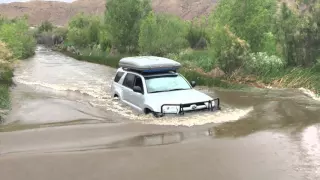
<point>310,94</point>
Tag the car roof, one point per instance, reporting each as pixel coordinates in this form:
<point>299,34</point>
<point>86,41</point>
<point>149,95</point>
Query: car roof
<point>149,63</point>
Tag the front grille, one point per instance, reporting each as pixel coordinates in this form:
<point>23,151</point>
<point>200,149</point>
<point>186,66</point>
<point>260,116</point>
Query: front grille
<point>198,104</point>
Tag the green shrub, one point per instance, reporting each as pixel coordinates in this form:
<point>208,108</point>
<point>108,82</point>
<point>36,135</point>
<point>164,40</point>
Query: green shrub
<point>261,64</point>
<point>250,20</point>
<point>269,44</point>
<point>45,26</point>
<point>4,96</point>
<point>161,34</point>
<point>203,59</point>
<point>104,39</point>
<point>229,50</point>
<point>60,32</point>
<point>93,51</point>
<point>197,35</point>
<point>83,30</point>
<point>18,38</point>
<point>6,75</point>
<point>122,20</point>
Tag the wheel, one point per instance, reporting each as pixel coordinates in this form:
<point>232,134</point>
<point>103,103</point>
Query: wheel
<point>116,97</point>
<point>157,115</point>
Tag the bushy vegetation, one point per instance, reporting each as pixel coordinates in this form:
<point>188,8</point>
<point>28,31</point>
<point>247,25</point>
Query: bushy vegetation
<point>49,35</point>
<point>16,42</point>
<point>84,30</point>
<point>123,20</point>
<point>160,34</point>
<point>264,39</point>
<point>6,73</point>
<point>15,33</point>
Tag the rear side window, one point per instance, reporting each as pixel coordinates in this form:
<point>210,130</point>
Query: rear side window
<point>129,80</point>
<point>118,76</point>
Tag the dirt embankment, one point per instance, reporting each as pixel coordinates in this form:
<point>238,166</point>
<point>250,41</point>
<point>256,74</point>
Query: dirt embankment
<point>60,12</point>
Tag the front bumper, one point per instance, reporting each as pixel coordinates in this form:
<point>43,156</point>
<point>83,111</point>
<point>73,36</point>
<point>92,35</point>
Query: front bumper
<point>197,106</point>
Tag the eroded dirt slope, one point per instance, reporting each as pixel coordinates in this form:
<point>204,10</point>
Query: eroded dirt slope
<point>60,12</point>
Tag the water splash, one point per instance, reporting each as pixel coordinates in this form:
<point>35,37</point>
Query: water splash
<point>227,115</point>
<point>310,94</point>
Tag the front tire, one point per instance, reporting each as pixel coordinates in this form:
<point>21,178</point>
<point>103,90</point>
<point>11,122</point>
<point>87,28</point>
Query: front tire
<point>157,115</point>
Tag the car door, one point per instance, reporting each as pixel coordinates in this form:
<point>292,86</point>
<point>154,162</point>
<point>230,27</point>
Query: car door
<point>128,86</point>
<point>137,98</point>
<point>134,99</point>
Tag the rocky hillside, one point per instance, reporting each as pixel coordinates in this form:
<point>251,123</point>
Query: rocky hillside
<point>60,12</point>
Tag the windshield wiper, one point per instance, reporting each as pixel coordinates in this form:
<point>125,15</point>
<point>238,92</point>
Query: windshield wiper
<point>177,89</point>
<point>157,91</point>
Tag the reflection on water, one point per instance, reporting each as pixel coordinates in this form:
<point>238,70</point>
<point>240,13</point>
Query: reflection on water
<point>275,115</point>
<point>144,140</point>
<point>310,152</point>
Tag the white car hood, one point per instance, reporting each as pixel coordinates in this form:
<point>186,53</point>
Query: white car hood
<point>156,100</point>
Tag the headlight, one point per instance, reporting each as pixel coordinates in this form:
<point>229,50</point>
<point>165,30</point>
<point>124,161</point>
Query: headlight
<point>207,103</point>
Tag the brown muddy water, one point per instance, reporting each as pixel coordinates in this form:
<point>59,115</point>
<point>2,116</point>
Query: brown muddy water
<point>64,125</point>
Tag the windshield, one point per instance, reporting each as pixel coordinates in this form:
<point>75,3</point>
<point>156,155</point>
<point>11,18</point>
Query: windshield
<point>166,83</point>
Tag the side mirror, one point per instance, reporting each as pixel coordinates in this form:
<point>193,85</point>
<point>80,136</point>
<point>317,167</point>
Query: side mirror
<point>137,89</point>
<point>193,83</point>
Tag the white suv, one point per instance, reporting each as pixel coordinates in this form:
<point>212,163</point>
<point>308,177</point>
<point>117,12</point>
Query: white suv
<point>151,84</point>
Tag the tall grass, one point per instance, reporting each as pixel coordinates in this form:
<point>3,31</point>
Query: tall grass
<point>6,74</point>
<point>199,58</point>
<point>203,80</point>
<point>102,58</point>
<point>308,78</point>
<point>4,96</point>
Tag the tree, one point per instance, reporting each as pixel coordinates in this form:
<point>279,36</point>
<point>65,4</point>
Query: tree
<point>161,34</point>
<point>197,35</point>
<point>84,30</point>
<point>298,33</point>
<point>45,26</point>
<point>230,51</point>
<point>248,19</point>
<point>122,19</point>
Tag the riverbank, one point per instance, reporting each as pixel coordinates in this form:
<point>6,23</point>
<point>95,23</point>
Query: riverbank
<point>16,42</point>
<point>6,74</point>
<point>296,78</point>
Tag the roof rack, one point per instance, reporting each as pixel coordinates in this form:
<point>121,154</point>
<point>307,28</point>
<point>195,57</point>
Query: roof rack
<point>151,71</point>
<point>149,64</point>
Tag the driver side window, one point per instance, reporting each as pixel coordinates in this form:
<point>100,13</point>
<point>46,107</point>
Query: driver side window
<point>138,82</point>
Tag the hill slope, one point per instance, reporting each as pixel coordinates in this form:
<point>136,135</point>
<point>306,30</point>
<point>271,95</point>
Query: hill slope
<point>60,12</point>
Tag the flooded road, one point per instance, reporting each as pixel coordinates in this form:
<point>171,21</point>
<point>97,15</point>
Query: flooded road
<point>65,125</point>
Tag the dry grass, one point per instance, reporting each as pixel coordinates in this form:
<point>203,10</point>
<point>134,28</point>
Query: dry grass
<point>6,58</point>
